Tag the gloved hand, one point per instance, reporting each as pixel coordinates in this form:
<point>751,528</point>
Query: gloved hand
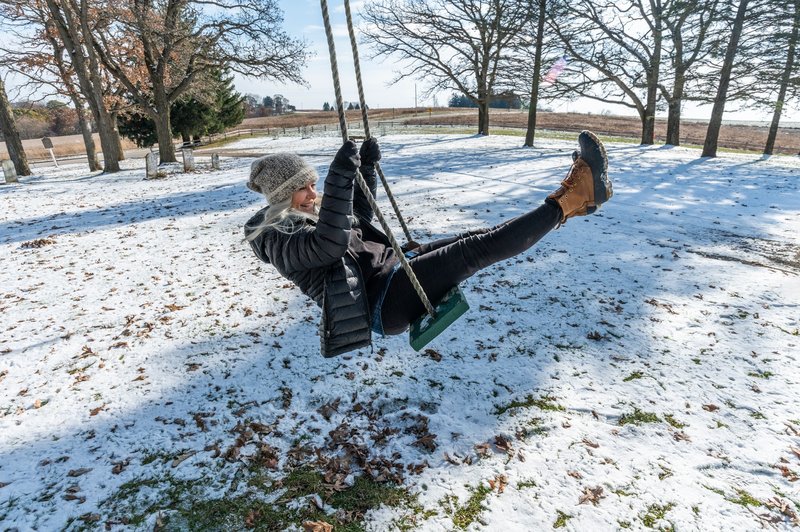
<point>370,152</point>
<point>347,159</point>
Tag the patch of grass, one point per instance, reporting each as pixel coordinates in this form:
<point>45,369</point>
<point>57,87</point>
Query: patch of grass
<point>189,509</point>
<point>760,374</point>
<point>669,418</point>
<point>561,519</point>
<point>715,490</point>
<point>546,403</point>
<point>665,472</point>
<point>634,375</point>
<point>655,513</point>
<point>464,516</point>
<point>523,484</point>
<point>624,524</point>
<point>533,428</point>
<point>638,417</point>
<point>755,414</point>
<point>744,499</point>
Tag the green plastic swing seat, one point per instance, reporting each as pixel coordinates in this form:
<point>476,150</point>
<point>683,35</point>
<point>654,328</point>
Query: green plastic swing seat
<point>426,328</point>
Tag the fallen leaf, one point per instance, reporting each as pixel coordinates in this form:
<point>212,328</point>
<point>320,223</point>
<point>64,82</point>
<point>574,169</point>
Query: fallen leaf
<point>795,451</point>
<point>433,354</point>
<point>679,435</point>
<point>180,458</point>
<point>499,483</point>
<point>78,472</point>
<point>503,444</point>
<point>317,526</point>
<point>575,474</point>
<point>483,449</point>
<point>451,460</point>
<point>710,408</point>
<point>592,495</point>
<point>590,443</point>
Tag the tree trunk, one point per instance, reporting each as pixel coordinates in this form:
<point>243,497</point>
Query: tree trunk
<point>72,32</point>
<point>9,128</point>
<point>483,117</point>
<point>117,136</point>
<point>166,149</point>
<point>537,70</point>
<point>649,118</point>
<point>787,73</point>
<point>674,114</point>
<point>714,125</point>
<point>86,131</point>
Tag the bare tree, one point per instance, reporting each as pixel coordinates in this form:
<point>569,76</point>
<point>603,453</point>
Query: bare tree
<point>616,54</point>
<point>788,78</point>
<point>10,134</point>
<point>715,123</point>
<point>687,24</point>
<point>36,53</point>
<point>451,44</point>
<point>541,14</point>
<point>75,21</point>
<point>157,49</point>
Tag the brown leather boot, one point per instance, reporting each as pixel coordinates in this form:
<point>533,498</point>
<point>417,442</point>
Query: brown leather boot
<point>586,186</point>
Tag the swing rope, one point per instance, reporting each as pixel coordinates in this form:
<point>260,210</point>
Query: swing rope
<point>365,118</point>
<point>359,178</point>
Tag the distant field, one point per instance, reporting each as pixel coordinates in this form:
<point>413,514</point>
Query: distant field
<point>62,146</point>
<point>732,135</point>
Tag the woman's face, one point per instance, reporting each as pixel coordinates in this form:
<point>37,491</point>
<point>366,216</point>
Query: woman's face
<point>303,199</point>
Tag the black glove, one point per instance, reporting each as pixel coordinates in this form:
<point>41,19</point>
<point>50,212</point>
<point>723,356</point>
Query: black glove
<point>370,152</point>
<point>347,159</point>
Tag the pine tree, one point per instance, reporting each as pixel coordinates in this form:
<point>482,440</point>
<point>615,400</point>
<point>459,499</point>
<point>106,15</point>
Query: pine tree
<point>228,105</point>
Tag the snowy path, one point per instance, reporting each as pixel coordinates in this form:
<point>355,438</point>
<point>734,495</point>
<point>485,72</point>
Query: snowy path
<point>644,360</point>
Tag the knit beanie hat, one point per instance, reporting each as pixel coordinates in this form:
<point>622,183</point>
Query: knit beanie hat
<point>279,176</point>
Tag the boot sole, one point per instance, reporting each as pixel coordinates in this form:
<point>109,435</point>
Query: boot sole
<point>594,153</point>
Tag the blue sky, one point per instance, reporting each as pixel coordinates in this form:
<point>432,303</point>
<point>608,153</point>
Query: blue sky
<point>303,19</point>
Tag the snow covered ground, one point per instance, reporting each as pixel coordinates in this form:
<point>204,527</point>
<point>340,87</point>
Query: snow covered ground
<point>638,368</point>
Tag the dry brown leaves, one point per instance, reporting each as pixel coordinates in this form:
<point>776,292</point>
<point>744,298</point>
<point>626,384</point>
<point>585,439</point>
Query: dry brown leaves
<point>317,526</point>
<point>38,243</point>
<point>499,483</point>
<point>592,495</point>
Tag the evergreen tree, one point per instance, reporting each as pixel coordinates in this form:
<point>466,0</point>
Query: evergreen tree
<point>139,128</point>
<point>326,106</point>
<point>190,118</point>
<point>228,105</point>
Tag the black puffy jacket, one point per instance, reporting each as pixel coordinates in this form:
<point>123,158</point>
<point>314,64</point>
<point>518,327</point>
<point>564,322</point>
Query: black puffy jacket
<point>318,259</point>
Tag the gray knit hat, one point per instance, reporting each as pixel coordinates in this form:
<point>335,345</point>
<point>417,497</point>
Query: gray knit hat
<point>279,176</point>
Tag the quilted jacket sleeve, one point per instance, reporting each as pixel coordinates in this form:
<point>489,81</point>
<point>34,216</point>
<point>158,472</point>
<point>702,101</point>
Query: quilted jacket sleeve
<point>361,207</point>
<point>327,243</point>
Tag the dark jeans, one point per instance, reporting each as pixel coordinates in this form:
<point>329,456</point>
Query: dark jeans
<point>443,264</point>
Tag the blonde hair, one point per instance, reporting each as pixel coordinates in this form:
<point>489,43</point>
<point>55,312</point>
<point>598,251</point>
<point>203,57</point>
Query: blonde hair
<point>284,218</point>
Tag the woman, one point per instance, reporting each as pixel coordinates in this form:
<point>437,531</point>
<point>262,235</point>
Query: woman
<point>334,254</point>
